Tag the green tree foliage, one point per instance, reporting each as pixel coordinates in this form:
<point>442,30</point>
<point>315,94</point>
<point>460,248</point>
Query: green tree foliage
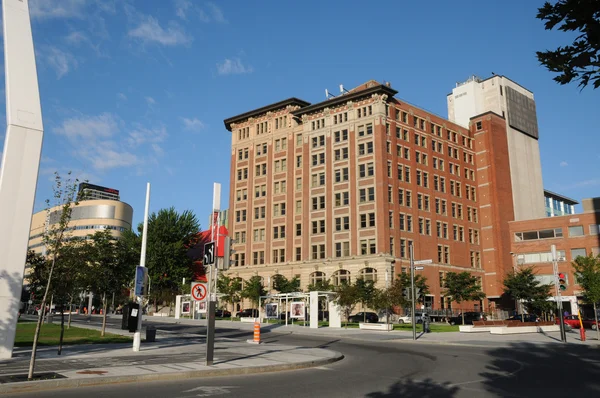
<point>366,292</point>
<point>285,285</point>
<point>170,235</point>
<point>588,276</point>
<point>111,266</point>
<point>65,197</point>
<point>323,285</point>
<point>230,289</point>
<point>522,285</point>
<point>580,60</point>
<point>388,299</point>
<point>462,286</point>
<point>420,283</point>
<point>347,296</point>
<point>253,290</point>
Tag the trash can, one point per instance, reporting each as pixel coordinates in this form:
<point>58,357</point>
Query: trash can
<point>50,318</point>
<point>125,320</point>
<point>150,334</point>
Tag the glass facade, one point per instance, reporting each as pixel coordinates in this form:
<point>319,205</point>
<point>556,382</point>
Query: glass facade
<point>558,206</point>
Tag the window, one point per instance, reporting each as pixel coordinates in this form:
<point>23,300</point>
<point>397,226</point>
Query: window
<point>366,195</point>
<point>342,198</point>
<point>478,125</point>
<point>341,153</point>
<point>318,179</point>
<point>318,227</point>
<point>298,254</point>
<point>342,249</point>
<point>406,174</point>
<point>279,209</point>
<point>318,252</point>
<point>594,229</point>
<point>279,232</point>
<point>408,199</point>
<point>280,144</point>
<point>261,149</point>
<point>342,223</point>
<point>365,148</point>
<point>400,196</point>
<point>242,174</point>
<point>259,235</point>
<point>260,212</point>
<point>368,274</point>
<point>280,165</point>
<point>340,277</point>
<point>278,255</point>
<point>299,229</point>
<point>367,220</point>
<point>299,140</point>
<point>318,141</point>
<point>367,246</point>
<point>318,202</point>
<point>258,257</point>
<point>318,159</point>
<point>341,174</point>
<point>299,161</point>
<point>576,230</point>
<point>366,170</point>
<point>532,235</point>
<point>240,215</point>
<point>577,253</point>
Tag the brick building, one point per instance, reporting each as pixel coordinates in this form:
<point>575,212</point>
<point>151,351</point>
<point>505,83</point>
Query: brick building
<point>340,189</point>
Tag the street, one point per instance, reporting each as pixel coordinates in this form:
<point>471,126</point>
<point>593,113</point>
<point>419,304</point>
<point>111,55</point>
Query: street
<point>385,368</point>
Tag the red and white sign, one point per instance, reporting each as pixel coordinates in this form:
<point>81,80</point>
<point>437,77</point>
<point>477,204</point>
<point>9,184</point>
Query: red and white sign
<point>198,291</point>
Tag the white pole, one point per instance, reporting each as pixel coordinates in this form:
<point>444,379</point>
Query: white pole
<point>20,162</point>
<point>137,338</point>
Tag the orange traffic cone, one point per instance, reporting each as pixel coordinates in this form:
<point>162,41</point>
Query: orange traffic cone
<point>256,339</point>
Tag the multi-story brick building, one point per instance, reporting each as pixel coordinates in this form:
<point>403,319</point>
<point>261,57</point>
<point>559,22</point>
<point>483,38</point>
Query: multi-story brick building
<point>340,189</point>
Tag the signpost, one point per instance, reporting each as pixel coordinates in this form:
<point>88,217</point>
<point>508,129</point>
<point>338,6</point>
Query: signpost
<point>210,254</point>
<point>198,291</point>
<point>413,290</point>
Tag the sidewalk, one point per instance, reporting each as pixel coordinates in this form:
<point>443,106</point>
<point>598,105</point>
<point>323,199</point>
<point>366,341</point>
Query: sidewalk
<point>165,359</point>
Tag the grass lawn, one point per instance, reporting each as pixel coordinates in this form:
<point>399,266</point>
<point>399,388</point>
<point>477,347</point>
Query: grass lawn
<point>434,327</point>
<point>50,334</point>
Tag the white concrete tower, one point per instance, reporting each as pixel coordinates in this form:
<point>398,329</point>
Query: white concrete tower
<point>20,162</point>
<point>516,104</point>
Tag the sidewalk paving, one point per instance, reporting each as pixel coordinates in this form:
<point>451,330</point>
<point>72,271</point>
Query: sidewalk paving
<point>169,358</point>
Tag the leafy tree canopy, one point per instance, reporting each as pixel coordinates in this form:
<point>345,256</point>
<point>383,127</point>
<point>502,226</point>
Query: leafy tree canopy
<point>580,60</point>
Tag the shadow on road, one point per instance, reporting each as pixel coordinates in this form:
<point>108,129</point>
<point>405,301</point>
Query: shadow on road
<point>417,389</point>
<point>529,370</point>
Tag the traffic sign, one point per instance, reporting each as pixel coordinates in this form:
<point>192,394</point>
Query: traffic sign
<point>423,262</point>
<point>198,291</point>
<point>209,253</point>
<point>419,268</point>
<point>141,281</point>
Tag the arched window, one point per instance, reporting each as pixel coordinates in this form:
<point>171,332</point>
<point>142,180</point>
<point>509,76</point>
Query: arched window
<point>369,274</point>
<point>317,277</point>
<point>341,276</point>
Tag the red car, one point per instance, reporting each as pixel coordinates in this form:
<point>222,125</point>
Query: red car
<point>573,321</point>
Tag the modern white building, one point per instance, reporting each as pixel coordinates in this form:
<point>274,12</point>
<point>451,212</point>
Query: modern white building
<point>516,105</point>
<point>558,205</point>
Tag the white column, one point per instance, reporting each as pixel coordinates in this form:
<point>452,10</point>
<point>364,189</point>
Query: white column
<point>20,162</point>
<point>177,306</point>
<point>137,337</point>
<point>314,310</point>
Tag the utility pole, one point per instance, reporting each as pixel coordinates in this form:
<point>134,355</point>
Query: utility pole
<point>563,333</point>
<point>212,292</point>
<point>412,291</point>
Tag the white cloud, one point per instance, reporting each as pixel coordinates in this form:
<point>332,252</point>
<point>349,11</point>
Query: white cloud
<point>150,100</point>
<point>78,38</point>
<point>107,155</point>
<point>149,30</point>
<point>104,125</point>
<point>158,150</point>
<point>216,12</point>
<point>233,67</point>
<point>140,135</point>
<point>49,9</point>
<point>61,61</point>
<point>192,124</point>
<point>563,164</point>
<point>182,7</point>
<point>122,96</point>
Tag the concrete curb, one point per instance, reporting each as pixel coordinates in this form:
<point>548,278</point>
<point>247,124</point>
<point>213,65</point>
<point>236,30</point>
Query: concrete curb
<point>43,385</point>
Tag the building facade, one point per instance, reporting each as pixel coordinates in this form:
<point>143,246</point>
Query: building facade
<point>516,105</point>
<point>573,235</point>
<point>89,216</point>
<point>558,205</point>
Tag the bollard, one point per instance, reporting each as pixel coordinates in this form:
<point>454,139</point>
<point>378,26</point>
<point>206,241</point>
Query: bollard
<point>582,333</point>
<point>256,339</point>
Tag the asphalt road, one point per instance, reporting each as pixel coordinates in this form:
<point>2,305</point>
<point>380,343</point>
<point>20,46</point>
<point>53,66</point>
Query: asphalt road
<point>392,369</point>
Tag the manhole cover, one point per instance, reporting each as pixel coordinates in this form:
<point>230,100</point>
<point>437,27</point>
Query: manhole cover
<point>92,372</point>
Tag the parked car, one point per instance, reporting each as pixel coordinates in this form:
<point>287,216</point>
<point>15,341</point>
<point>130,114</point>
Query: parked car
<point>222,314</point>
<point>247,313</point>
<point>371,317</point>
<point>524,318</point>
<point>408,318</point>
<point>469,318</point>
<point>573,322</point>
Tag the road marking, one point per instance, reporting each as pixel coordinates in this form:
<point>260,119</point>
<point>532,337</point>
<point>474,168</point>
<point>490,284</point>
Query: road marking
<point>209,391</point>
<point>322,368</point>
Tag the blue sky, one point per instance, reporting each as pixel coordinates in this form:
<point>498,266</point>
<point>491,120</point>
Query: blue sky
<point>136,91</point>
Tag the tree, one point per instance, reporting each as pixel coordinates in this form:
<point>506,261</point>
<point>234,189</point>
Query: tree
<point>285,285</point>
<point>389,298</point>
<point>580,60</point>
<point>420,284</point>
<point>365,289</point>
<point>323,285</point>
<point>107,271</point>
<point>230,289</point>
<point>588,277</point>
<point>253,290</point>
<point>170,235</point>
<point>66,197</point>
<point>522,285</point>
<point>346,298</point>
<point>462,286</point>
